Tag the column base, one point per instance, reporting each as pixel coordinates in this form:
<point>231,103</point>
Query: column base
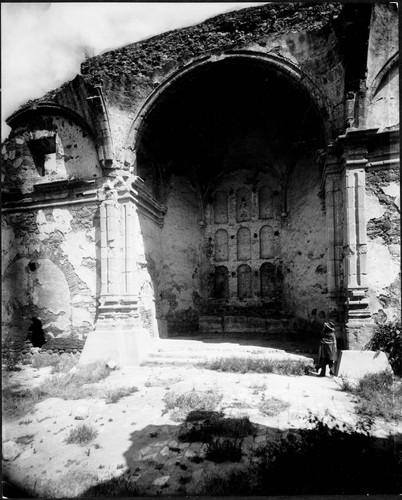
<point>125,347</point>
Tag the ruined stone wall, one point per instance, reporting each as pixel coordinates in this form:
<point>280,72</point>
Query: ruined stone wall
<point>383,67</point>
<point>304,245</point>
<point>179,279</point>
<point>49,255</point>
<point>242,237</point>
<point>299,33</point>
<point>50,273</point>
<point>383,242</point>
<point>47,149</point>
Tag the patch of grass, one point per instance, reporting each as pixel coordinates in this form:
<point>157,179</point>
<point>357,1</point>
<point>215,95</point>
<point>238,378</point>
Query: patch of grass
<point>324,460</point>
<point>259,365</point>
<point>73,484</point>
<point>18,401</point>
<point>379,396</point>
<point>210,425</point>
<point>25,440</point>
<point>224,449</point>
<point>114,395</point>
<point>82,434</point>
<point>232,482</point>
<point>258,388</point>
<point>123,486</point>
<point>272,406</point>
<point>180,404</point>
<point>162,382</point>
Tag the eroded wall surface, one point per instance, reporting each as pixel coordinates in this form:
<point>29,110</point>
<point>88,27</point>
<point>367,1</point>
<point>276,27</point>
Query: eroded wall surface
<point>50,274</point>
<point>383,243</point>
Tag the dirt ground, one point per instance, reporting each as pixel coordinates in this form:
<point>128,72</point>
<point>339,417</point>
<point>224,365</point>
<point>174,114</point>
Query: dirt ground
<point>138,437</point>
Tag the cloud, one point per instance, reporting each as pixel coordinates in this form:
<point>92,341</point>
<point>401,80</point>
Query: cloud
<point>43,44</point>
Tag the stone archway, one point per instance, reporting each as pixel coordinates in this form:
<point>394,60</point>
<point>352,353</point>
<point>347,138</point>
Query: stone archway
<point>225,145</point>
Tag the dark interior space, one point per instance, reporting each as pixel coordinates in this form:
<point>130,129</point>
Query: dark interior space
<point>226,115</point>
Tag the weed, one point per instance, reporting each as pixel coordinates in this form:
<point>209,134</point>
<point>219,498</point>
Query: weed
<point>19,401</point>
<point>387,338</point>
<point>259,365</point>
<point>324,460</point>
<point>25,440</point>
<point>213,424</point>
<point>346,385</point>
<point>25,422</point>
<point>180,404</point>
<point>224,449</point>
<point>123,486</point>
<point>82,435</point>
<point>232,482</point>
<point>379,396</point>
<point>272,406</point>
<point>114,395</point>
<point>258,388</point>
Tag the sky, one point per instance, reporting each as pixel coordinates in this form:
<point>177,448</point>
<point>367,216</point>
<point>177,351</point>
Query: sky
<point>43,44</point>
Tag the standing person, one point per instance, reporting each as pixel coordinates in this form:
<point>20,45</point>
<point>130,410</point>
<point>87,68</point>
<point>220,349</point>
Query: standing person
<point>327,350</point>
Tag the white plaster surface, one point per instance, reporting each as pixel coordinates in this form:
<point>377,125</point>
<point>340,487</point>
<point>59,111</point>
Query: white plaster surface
<point>357,364</point>
<point>374,209</point>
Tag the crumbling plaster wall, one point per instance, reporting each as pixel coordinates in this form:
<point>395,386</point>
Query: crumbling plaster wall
<point>50,273</point>
<point>304,245</point>
<point>383,242</point>
<point>383,81</point>
<point>299,33</point>
<point>179,278</point>
<point>76,155</point>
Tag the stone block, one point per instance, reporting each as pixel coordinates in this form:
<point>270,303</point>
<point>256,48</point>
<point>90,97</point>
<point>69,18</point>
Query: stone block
<point>210,324</point>
<point>357,364</point>
<point>125,347</point>
<point>11,450</point>
<point>239,324</point>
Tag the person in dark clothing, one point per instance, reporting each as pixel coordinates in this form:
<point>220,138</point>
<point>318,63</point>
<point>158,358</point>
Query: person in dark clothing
<point>327,350</point>
<point>36,335</point>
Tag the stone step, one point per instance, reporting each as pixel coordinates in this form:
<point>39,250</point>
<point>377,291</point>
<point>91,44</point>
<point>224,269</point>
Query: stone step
<point>242,324</point>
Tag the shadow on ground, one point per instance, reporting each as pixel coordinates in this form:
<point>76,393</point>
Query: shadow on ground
<point>319,461</point>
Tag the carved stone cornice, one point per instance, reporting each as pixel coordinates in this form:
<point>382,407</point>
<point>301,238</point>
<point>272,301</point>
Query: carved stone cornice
<point>51,194</point>
<point>147,205</point>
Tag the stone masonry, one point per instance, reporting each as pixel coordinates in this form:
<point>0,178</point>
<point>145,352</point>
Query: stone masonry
<point>238,175</point>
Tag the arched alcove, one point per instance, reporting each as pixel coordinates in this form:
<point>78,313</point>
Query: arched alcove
<point>220,207</point>
<point>244,282</point>
<point>243,204</point>
<point>266,242</point>
<point>221,245</point>
<point>221,283</point>
<point>265,203</point>
<point>243,244</point>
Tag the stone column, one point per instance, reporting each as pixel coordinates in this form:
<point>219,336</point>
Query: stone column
<point>118,334</point>
<point>355,248</point>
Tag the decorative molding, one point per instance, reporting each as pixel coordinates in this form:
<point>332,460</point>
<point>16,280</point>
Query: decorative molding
<point>147,205</point>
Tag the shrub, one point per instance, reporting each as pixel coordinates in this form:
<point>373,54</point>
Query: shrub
<point>114,395</point>
<point>224,449</point>
<point>259,365</point>
<point>18,402</point>
<point>82,435</point>
<point>213,424</point>
<point>11,360</point>
<point>323,460</point>
<point>387,338</point>
<point>272,406</point>
<point>182,403</point>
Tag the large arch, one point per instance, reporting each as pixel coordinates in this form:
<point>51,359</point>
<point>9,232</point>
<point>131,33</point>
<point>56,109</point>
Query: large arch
<point>286,68</point>
<point>231,124</point>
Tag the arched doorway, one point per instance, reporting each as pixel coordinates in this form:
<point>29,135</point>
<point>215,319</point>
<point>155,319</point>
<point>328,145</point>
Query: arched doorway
<point>229,148</point>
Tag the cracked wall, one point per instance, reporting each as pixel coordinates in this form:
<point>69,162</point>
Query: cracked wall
<point>383,243</point>
<point>50,273</point>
